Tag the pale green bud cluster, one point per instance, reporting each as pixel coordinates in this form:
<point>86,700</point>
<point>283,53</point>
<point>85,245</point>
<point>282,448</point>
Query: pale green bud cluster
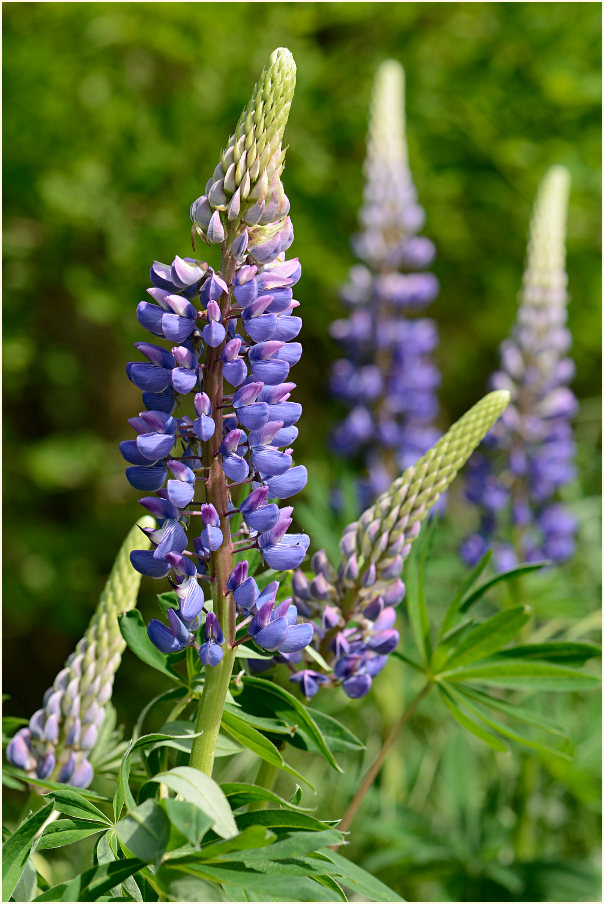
<point>246,187</point>
<point>382,537</point>
<point>544,280</point>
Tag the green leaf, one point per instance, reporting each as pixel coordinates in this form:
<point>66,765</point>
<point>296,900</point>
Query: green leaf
<point>489,637</point>
<point>290,819</point>
<point>144,832</point>
<point>338,738</point>
<point>68,831</point>
<point>471,598</point>
<point>513,711</point>
<point>534,675</point>
<point>328,882</point>
<point>253,837</point>
<point>205,793</point>
<point>26,887</point>
<point>359,880</point>
<point>15,850</point>
<point>416,607</point>
<point>71,803</point>
<point>106,852</point>
<point>466,722</point>
<point>177,885</point>
<point>294,845</point>
<point>254,740</point>
<point>264,723</point>
<point>504,729</point>
<point>241,793</point>
<point>261,884</point>
<point>451,613</point>
<point>182,734</point>
<point>92,883</point>
<point>134,632</point>
<point>562,652</point>
<point>123,793</point>
<point>188,819</point>
<point>305,718</point>
<point>243,652</point>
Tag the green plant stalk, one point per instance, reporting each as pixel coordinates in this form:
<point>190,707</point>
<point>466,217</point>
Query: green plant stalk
<point>373,771</point>
<point>217,678</point>
<point>267,773</point>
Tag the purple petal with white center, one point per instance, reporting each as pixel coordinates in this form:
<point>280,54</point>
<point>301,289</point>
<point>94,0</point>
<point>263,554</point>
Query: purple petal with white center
<point>185,272</point>
<point>265,350</point>
<point>298,637</point>
<point>181,471</point>
<point>288,484</point>
<point>256,499</point>
<point>202,403</point>
<point>184,357</point>
<point>155,445</point>
<point>148,377</point>
<point>269,593</point>
<point>176,328</point>
<point>157,422</point>
<point>161,636</point>
<point>357,686</point>
<point>247,394</point>
<point>178,629</point>
<point>246,594</point>
<point>215,231</point>
<point>271,637</point>
<point>191,603</point>
<point>209,515</point>
<point>146,478</point>
<point>161,276</point>
<point>47,765</point>
<point>237,576</point>
<point>18,752</point>
<point>143,561</point>
<point>159,507</point>
<point>150,317</point>
<point>212,628</point>
<point>51,728</point>
<point>263,615</point>
<point>181,565</point>
<point>232,440</point>
<point>179,305</point>
<point>269,461</point>
<point>286,554</point>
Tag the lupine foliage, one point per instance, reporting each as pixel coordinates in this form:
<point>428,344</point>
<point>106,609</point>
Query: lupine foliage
<point>220,840</point>
<point>388,378</point>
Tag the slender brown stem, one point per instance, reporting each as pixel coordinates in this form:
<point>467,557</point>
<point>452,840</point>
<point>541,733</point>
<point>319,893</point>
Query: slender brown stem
<point>377,764</point>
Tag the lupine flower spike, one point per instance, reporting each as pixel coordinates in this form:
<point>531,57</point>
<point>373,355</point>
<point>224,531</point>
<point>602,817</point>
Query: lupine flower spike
<point>388,378</point>
<point>228,458</point>
<point>60,736</point>
<point>515,482</point>
<point>354,607</point>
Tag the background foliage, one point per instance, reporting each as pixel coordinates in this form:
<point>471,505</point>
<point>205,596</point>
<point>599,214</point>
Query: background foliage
<point>114,117</point>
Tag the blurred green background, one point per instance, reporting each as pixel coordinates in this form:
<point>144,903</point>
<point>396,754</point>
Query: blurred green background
<point>114,116</point>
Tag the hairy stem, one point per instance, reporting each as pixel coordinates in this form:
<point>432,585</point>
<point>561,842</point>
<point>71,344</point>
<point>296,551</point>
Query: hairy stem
<point>375,767</point>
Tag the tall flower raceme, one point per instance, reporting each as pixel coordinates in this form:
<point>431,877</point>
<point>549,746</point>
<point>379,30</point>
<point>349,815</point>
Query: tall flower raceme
<point>61,735</point>
<point>515,482</point>
<point>388,377</point>
<point>214,442</point>
<point>353,607</point>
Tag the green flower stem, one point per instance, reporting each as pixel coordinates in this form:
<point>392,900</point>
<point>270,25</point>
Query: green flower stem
<point>267,773</point>
<point>372,772</point>
<point>217,677</point>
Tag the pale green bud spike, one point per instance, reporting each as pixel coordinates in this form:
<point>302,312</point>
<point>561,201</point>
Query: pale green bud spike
<point>386,146</point>
<point>63,733</point>
<point>401,509</point>
<point>263,120</point>
<point>544,280</point>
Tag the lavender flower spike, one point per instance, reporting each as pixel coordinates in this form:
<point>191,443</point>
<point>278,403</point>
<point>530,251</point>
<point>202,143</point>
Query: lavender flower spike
<point>57,743</point>
<point>354,607</point>
<point>388,378</point>
<point>228,455</point>
<point>515,482</point>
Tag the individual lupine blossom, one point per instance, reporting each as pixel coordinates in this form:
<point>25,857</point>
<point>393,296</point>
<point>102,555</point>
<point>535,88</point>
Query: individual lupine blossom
<point>230,349</point>
<point>388,377</point>
<point>515,482</point>
<point>354,607</point>
<point>62,734</point>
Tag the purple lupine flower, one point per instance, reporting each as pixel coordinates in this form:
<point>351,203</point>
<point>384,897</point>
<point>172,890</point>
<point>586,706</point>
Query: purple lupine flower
<point>528,457</point>
<point>228,458</point>
<point>388,379</point>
